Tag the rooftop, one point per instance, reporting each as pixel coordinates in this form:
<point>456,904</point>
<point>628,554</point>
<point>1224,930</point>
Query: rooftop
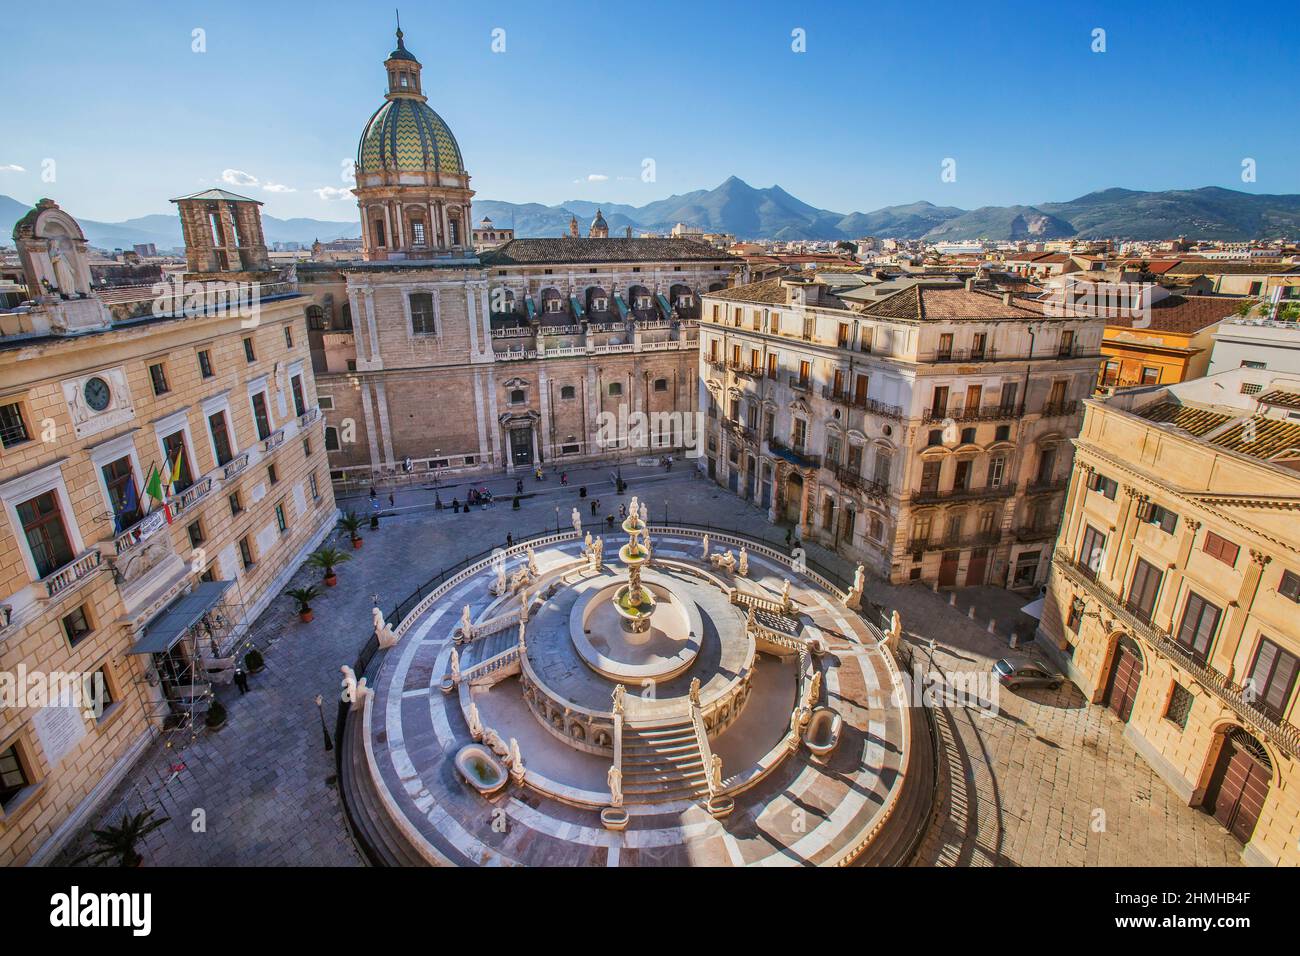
<point>936,303</point>
<point>527,252</point>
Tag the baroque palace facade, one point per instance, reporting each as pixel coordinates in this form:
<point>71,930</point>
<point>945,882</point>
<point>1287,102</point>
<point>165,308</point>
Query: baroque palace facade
<point>155,603</point>
<point>505,359</point>
<point>1174,591</point>
<point>925,434</point>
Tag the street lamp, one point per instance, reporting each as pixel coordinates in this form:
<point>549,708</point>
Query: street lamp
<point>557,519</point>
<point>324,728</point>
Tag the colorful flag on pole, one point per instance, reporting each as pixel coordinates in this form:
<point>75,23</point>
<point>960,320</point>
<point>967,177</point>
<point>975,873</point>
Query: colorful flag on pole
<point>176,468</point>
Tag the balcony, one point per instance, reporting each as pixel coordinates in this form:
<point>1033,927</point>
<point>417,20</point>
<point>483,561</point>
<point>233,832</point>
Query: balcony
<point>234,467</point>
<point>986,413</point>
<point>796,456</point>
<point>980,539</point>
<point>273,441</point>
<point>749,371</point>
<point>1233,696</point>
<point>72,573</point>
<point>800,384</point>
<point>866,404</point>
<point>1044,532</point>
<point>191,496</point>
<point>139,532</point>
<point>1046,486</point>
<point>743,432</point>
<point>849,478</point>
<point>308,418</point>
<point>1056,409</point>
<point>923,495</point>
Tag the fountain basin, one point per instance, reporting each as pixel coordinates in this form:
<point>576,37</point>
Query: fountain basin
<point>666,646</point>
<point>614,818</point>
<point>481,769</point>
<point>823,732</point>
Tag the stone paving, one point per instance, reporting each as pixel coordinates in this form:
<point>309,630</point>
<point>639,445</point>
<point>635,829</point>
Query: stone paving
<point>1027,783</point>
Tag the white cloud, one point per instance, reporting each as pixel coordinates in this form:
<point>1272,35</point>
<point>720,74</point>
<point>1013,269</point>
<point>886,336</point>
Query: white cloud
<point>597,178</point>
<point>333,192</point>
<point>237,177</point>
<point>12,168</point>
<point>278,188</point>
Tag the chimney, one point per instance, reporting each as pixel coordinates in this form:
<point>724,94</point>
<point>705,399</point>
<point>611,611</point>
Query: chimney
<point>1006,298</point>
<point>970,284</point>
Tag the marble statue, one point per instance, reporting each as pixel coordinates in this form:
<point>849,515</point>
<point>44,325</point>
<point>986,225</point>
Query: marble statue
<point>586,544</point>
<point>695,691</point>
<point>815,688</point>
<point>355,691</point>
<point>492,740</point>
<point>751,618</point>
<point>523,646</point>
<point>383,631</point>
<point>853,599</point>
<point>516,762</point>
<point>499,586</point>
<point>634,511</point>
<point>523,604</point>
<point>706,546</point>
<point>785,592</point>
<point>726,561</point>
<point>577,522</point>
<point>615,780</point>
<point>475,723</point>
<point>466,625</point>
<point>744,563</point>
<point>715,774</point>
<point>620,692</point>
<point>532,561</point>
<point>645,514</point>
<point>455,666</point>
<point>859,578</point>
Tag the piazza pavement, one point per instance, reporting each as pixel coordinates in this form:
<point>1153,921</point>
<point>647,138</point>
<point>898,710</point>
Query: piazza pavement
<point>1042,778</point>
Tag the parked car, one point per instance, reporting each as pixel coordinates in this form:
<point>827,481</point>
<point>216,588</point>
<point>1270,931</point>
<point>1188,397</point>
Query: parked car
<point>1020,672</point>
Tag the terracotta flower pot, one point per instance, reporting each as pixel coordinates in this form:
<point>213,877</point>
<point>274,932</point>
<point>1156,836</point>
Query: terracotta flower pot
<point>331,579</point>
<point>356,543</point>
<point>306,616</point>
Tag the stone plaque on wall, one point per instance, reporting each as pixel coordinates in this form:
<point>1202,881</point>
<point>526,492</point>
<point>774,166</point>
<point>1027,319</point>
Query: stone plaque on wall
<point>58,729</point>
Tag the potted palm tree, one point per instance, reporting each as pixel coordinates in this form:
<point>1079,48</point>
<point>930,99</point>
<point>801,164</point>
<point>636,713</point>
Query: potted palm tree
<point>119,842</point>
<point>327,559</point>
<point>351,523</point>
<point>304,598</point>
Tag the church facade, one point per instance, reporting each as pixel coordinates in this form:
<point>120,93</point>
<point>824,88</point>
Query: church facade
<point>432,357</point>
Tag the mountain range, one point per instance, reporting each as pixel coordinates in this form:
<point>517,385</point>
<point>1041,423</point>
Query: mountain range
<point>748,212</point>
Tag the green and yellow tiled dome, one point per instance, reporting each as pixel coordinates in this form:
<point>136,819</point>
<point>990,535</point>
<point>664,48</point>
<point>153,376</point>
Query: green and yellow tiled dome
<point>405,134</point>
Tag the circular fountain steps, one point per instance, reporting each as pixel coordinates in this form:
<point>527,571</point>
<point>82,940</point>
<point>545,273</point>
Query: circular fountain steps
<point>799,813</point>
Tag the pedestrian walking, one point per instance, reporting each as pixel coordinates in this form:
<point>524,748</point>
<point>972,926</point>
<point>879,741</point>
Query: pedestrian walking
<point>519,486</point>
<point>789,536</point>
<point>241,680</point>
<point>510,539</point>
<point>593,507</point>
<point>455,505</point>
<point>372,492</point>
<point>564,477</point>
<point>390,499</point>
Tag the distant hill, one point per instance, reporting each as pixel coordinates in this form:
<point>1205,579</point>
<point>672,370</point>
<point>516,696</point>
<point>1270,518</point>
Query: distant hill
<point>749,212</point>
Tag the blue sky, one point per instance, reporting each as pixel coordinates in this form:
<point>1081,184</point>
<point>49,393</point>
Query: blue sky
<point>864,118</point>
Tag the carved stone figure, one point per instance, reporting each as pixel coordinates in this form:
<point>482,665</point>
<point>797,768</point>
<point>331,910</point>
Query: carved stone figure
<point>475,723</point>
<point>695,691</point>
<point>532,561</point>
<point>715,774</point>
<point>615,781</point>
<point>383,631</point>
<point>744,563</point>
<point>354,691</point>
<point>620,692</point>
<point>706,546</point>
<point>466,625</point>
<point>577,522</point>
<point>523,646</point>
<point>455,666</point>
<point>516,762</point>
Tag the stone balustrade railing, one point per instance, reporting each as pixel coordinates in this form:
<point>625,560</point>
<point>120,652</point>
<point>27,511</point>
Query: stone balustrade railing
<point>492,670</point>
<point>140,532</point>
<point>71,573</point>
<point>234,466</point>
<point>190,496</point>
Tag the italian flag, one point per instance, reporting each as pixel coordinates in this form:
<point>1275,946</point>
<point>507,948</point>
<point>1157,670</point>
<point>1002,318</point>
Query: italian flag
<point>153,487</point>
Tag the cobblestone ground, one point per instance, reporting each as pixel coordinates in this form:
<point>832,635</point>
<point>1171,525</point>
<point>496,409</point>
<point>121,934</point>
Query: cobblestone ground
<point>1022,790</point>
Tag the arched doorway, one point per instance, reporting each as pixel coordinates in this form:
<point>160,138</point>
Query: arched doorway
<point>1125,677</point>
<point>1239,784</point>
<point>794,497</point>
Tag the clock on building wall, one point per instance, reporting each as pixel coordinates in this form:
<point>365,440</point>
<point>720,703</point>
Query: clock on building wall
<point>97,393</point>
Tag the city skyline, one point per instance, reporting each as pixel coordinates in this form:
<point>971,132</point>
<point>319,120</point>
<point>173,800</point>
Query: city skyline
<point>595,149</point>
